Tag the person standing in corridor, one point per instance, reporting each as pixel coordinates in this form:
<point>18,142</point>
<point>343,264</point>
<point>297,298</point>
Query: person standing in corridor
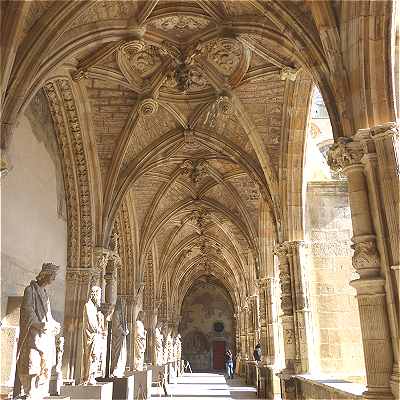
<point>229,363</point>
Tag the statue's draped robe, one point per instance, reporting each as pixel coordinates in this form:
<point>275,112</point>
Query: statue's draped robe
<point>159,349</point>
<point>168,349</point>
<point>178,348</point>
<point>93,326</point>
<point>118,343</point>
<point>140,345</point>
<point>36,349</point>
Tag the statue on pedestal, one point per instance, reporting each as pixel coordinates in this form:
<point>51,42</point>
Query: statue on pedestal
<point>168,348</point>
<point>118,341</point>
<point>36,345</point>
<point>140,343</point>
<point>158,345</point>
<point>93,337</point>
<point>178,347</point>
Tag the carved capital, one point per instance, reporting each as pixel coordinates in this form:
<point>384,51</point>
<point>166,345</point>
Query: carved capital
<point>344,153</point>
<point>78,275</point>
<point>281,251</point>
<point>366,260</point>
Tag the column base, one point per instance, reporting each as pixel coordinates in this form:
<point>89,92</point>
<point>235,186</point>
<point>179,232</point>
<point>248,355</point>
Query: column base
<point>378,394</point>
<point>395,382</point>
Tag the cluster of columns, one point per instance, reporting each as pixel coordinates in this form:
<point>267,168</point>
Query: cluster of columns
<point>370,161</point>
<point>371,164</point>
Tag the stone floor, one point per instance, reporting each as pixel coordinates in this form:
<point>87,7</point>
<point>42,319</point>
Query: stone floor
<point>203,386</point>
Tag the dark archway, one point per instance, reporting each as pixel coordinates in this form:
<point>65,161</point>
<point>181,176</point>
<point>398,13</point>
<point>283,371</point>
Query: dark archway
<point>207,325</point>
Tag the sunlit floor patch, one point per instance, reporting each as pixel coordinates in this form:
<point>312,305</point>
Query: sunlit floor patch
<point>207,386</point>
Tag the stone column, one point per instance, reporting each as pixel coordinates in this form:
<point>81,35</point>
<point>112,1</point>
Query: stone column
<point>288,325</point>
<point>78,282</point>
<point>262,287</point>
<point>301,305</point>
<point>131,319</point>
<point>381,146</point>
<point>345,155</point>
<point>268,319</point>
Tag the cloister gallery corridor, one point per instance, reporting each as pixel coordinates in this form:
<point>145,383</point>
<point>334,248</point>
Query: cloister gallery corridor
<point>200,185</point>
<point>205,386</point>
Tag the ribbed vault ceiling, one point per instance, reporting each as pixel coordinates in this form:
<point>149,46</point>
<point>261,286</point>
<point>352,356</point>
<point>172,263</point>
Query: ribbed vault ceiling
<point>187,103</point>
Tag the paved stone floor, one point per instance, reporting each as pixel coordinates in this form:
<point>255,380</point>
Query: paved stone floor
<point>202,386</point>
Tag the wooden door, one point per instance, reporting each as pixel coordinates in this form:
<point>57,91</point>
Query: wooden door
<point>219,355</point>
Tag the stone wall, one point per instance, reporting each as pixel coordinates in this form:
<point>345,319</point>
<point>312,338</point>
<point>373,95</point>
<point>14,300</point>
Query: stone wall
<point>33,218</point>
<point>205,305</point>
<point>333,300</point>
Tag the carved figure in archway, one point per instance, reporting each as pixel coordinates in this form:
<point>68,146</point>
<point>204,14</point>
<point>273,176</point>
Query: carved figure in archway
<point>140,343</point>
<point>118,341</point>
<point>36,346</point>
<point>159,344</point>
<point>93,336</point>
<point>169,348</point>
<point>178,347</point>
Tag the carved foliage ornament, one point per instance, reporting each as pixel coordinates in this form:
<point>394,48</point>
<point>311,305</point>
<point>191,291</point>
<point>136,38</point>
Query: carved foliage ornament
<point>142,58</point>
<point>61,100</point>
<point>180,24</point>
<point>224,54</point>
<point>366,258</point>
<point>344,153</point>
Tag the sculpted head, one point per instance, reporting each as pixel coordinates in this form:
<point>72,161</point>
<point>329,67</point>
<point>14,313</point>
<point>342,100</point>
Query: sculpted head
<point>95,295</point>
<point>47,274</point>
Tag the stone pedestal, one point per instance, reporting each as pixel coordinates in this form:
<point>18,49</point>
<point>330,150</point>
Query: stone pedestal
<point>101,391</point>
<point>123,388</point>
<point>55,384</point>
<point>143,381</point>
<point>159,371</point>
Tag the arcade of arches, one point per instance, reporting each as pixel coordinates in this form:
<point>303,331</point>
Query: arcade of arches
<point>233,163</point>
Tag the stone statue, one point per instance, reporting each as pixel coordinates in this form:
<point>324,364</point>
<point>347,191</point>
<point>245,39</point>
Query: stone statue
<point>118,341</point>
<point>168,348</point>
<point>93,337</point>
<point>140,343</point>
<point>178,347</point>
<point>36,345</point>
<point>56,376</point>
<point>159,343</point>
